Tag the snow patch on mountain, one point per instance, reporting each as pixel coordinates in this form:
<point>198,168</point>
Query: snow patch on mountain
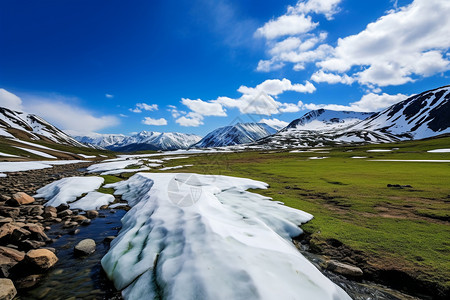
<point>15,124</point>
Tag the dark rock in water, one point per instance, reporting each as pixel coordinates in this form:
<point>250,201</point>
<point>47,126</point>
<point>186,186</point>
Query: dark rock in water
<point>85,222</point>
<point>344,269</point>
<point>92,214</point>
<point>28,281</point>
<point>74,231</point>
<point>109,239</point>
<point>7,289</point>
<point>85,247</point>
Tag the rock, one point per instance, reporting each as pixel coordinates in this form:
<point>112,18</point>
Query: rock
<point>22,198</point>
<point>11,212</point>
<point>4,198</point>
<point>18,234</point>
<point>92,214</point>
<point>104,206</point>
<point>344,269</point>
<point>109,239</point>
<point>33,210</point>
<point>4,220</point>
<point>37,232</point>
<point>30,244</point>
<point>62,207</point>
<point>28,281</point>
<point>79,218</point>
<point>40,259</point>
<point>50,209</point>
<point>85,247</point>
<point>69,224</point>
<point>74,231</point>
<point>7,289</point>
<point>8,259</point>
<point>85,222</point>
<point>65,213</point>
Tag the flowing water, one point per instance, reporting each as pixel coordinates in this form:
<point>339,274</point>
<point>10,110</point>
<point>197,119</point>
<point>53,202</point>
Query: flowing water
<point>83,278</point>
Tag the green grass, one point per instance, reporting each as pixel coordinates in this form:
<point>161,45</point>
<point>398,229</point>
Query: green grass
<point>108,179</point>
<point>351,202</point>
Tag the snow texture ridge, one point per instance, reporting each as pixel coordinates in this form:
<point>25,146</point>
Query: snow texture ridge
<point>192,236</point>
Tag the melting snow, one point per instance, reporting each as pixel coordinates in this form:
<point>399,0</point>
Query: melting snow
<point>439,151</point>
<point>67,190</point>
<point>194,236</point>
<point>379,150</point>
<point>86,156</point>
<point>175,167</point>
<point>22,166</point>
<point>318,157</point>
<point>36,152</point>
<point>93,200</point>
<point>2,175</point>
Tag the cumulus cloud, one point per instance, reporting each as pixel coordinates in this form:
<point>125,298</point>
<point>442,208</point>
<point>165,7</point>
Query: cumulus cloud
<point>286,25</point>
<point>400,46</point>
<point>204,108</point>
<point>259,100</point>
<point>189,121</point>
<point>144,106</point>
<point>274,123</point>
<point>325,7</point>
<point>154,122</point>
<point>370,102</point>
<point>9,100</point>
<point>321,76</point>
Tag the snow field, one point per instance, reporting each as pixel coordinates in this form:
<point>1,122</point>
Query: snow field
<point>192,236</point>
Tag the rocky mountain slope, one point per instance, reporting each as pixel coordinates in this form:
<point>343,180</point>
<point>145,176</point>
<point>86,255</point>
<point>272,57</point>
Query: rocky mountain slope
<point>240,133</point>
<point>424,115</point>
<point>14,124</point>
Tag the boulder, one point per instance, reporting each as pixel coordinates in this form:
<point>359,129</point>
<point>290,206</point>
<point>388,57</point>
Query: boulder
<point>7,289</point>
<point>85,247</point>
<point>30,244</point>
<point>37,232</point>
<point>92,214</point>
<point>62,207</point>
<point>8,259</point>
<point>28,281</point>
<point>344,269</point>
<point>22,198</point>
<point>40,259</point>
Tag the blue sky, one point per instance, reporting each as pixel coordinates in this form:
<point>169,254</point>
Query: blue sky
<point>192,66</point>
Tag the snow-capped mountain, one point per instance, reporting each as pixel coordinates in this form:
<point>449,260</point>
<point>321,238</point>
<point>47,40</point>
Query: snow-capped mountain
<point>323,119</point>
<point>240,133</point>
<point>420,116</point>
<point>145,140</point>
<point>101,140</point>
<point>15,124</point>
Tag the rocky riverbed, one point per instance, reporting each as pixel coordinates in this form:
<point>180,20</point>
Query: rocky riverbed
<point>55,252</point>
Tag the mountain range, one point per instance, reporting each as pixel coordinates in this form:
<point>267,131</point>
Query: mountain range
<point>145,140</point>
<point>420,116</point>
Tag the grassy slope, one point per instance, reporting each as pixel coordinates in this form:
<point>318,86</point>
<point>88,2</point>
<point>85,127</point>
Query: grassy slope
<point>406,229</point>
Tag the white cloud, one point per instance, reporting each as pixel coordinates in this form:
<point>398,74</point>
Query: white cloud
<point>325,7</point>
<point>204,108</point>
<point>269,65</point>
<point>400,46</point>
<point>368,103</point>
<point>144,106</point>
<point>321,76</point>
<point>174,111</point>
<point>68,117</point>
<point>189,121</point>
<point>9,100</point>
<point>109,96</point>
<point>154,122</point>
<point>286,25</point>
<point>274,123</point>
